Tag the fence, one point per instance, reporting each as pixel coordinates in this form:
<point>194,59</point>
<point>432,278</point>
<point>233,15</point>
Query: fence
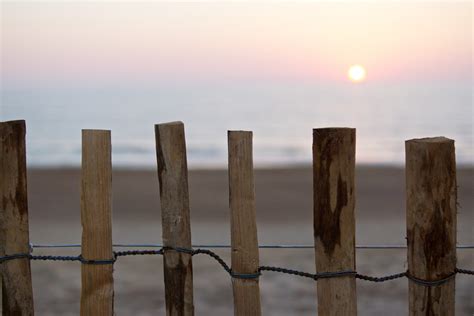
<point>431,224</point>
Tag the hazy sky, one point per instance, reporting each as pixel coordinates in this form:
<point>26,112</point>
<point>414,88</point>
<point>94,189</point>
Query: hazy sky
<point>277,68</point>
<point>54,43</point>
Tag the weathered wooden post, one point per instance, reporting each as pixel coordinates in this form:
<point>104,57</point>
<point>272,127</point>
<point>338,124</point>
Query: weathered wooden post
<point>17,293</point>
<point>97,296</point>
<point>174,196</point>
<point>334,222</point>
<point>431,223</point>
<point>244,239</point>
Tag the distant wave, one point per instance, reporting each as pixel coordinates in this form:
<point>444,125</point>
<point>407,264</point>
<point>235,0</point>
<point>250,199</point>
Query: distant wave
<point>138,153</point>
<point>142,154</point>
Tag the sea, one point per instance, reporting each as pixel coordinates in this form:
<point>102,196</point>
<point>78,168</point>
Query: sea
<point>280,114</point>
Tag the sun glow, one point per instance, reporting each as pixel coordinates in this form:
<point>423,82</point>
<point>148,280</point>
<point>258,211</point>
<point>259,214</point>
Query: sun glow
<point>356,73</point>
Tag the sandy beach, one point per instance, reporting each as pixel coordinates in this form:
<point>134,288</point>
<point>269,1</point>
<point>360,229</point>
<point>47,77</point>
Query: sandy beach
<point>284,216</point>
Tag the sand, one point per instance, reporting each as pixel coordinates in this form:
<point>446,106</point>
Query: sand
<point>284,216</point>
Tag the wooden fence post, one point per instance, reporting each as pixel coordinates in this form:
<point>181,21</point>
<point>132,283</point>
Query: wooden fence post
<point>17,293</point>
<point>174,198</point>
<point>431,223</point>
<point>97,296</point>
<point>244,239</point>
<point>334,223</point>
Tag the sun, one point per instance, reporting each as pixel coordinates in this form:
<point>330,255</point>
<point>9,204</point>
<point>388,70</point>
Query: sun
<point>356,73</point>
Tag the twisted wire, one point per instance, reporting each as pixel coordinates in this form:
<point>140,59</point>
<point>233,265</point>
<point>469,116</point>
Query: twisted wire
<point>228,269</point>
<point>216,246</point>
<point>431,283</point>
<point>381,279</point>
<point>464,271</point>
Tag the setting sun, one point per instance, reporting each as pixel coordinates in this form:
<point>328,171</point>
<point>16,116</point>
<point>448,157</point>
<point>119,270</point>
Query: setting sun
<point>356,73</point>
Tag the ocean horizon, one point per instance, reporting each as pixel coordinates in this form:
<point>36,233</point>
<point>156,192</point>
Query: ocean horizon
<point>281,116</point>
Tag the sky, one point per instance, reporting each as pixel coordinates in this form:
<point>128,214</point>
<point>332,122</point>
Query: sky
<point>276,68</point>
<point>55,44</point>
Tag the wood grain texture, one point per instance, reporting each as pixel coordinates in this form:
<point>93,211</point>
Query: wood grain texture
<point>175,216</point>
<point>97,296</point>
<point>431,223</point>
<point>17,291</point>
<point>334,222</point>
<point>244,241</point>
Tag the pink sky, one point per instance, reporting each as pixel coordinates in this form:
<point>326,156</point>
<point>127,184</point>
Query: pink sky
<point>50,43</point>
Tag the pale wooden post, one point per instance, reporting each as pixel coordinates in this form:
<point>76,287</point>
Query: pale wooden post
<point>244,239</point>
<point>175,217</point>
<point>17,294</point>
<point>97,296</point>
<point>334,222</point>
<point>431,223</point>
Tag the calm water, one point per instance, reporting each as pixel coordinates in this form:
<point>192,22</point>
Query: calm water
<point>281,115</point>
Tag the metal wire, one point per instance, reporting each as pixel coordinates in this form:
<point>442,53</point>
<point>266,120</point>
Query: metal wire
<point>225,266</point>
<point>217,246</point>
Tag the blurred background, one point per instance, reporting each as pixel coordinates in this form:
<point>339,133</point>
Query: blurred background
<point>278,69</point>
<point>393,70</point>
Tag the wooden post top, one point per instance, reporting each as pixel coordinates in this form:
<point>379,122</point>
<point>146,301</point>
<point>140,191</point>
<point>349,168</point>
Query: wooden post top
<point>170,123</point>
<point>95,130</point>
<point>238,131</point>
<point>430,140</point>
<point>331,129</point>
<point>18,127</point>
<point>13,122</point>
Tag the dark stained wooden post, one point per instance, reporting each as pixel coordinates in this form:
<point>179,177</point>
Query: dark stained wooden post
<point>17,291</point>
<point>97,296</point>
<point>431,223</point>
<point>243,223</point>
<point>174,196</point>
<point>334,222</point>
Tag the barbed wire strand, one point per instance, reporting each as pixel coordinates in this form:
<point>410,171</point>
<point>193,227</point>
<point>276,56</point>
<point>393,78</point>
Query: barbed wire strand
<point>228,269</point>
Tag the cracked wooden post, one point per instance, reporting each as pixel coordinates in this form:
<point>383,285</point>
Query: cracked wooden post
<point>97,295</point>
<point>17,291</point>
<point>175,217</point>
<point>244,239</point>
<point>431,223</point>
<point>334,223</point>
